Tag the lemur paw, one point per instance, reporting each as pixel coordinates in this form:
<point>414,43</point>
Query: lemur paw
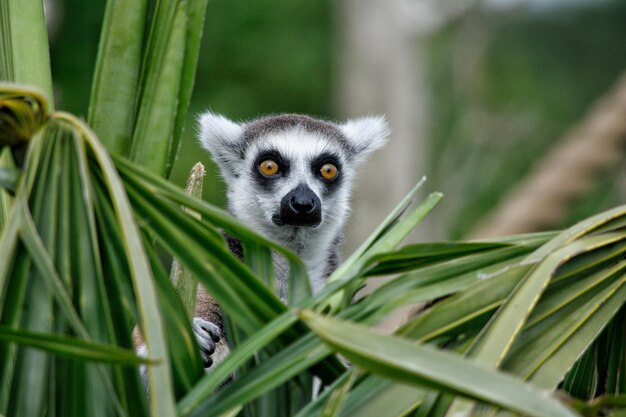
<point>207,335</point>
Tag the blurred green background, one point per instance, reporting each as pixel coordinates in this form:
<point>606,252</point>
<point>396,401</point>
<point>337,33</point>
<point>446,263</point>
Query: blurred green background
<point>504,82</point>
<point>256,58</point>
<point>538,76</point>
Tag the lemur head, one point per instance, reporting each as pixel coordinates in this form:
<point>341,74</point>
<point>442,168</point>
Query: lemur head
<point>289,176</point>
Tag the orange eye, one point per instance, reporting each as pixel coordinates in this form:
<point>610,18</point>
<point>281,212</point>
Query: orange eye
<point>329,171</point>
<point>269,168</point>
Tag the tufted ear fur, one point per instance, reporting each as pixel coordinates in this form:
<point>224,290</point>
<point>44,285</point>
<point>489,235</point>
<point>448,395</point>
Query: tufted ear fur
<point>365,134</point>
<point>224,140</point>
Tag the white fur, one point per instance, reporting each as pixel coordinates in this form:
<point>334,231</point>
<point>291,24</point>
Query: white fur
<point>218,135</point>
<point>366,135</point>
<point>255,207</point>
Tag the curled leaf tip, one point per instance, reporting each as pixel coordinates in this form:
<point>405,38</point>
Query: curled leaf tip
<point>22,111</point>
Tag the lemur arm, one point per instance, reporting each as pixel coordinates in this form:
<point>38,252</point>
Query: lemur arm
<point>208,327</point>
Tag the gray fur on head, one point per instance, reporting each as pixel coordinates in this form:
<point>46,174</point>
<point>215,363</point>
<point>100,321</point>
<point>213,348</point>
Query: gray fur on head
<point>300,142</point>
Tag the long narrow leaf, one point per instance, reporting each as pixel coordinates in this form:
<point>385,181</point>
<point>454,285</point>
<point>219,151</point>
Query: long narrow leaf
<point>509,320</point>
<point>423,366</point>
<point>157,186</point>
<point>578,230</point>
<point>161,396</point>
<point>113,97</point>
<point>196,11</point>
<point>25,56</point>
<point>72,347</point>
<point>152,139</point>
<point>236,359</point>
<point>385,243</point>
<point>552,370</point>
<point>43,204</point>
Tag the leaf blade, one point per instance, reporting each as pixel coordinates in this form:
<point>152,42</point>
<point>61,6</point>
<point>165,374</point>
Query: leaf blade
<point>401,360</point>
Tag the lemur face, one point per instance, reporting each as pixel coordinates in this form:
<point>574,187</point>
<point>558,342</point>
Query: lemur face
<point>290,174</point>
<point>296,184</point>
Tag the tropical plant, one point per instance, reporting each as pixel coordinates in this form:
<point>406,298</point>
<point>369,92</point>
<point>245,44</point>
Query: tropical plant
<point>91,217</point>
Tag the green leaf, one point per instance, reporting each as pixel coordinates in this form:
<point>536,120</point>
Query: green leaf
<point>72,347</point>
<point>236,359</point>
<point>160,191</point>
<point>216,270</point>
<point>159,377</point>
<point>9,178</point>
<point>395,231</point>
<point>587,226</point>
<point>152,138</point>
<point>157,187</point>
<point>113,91</point>
<point>232,413</point>
<point>454,313</point>
<point>337,397</point>
<point>284,366</point>
<point>376,396</point>
<point>316,405</point>
<point>28,361</point>
<point>25,57</point>
<point>508,322</point>
<point>6,202</point>
<point>456,273</point>
<point>182,346</point>
<point>423,254</point>
<point>196,11</point>
<point>354,263</point>
<point>424,366</point>
<point>48,274</point>
<point>583,333</point>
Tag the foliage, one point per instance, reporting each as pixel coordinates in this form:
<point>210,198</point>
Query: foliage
<point>531,304</point>
<point>256,58</point>
<point>79,267</point>
<point>500,84</point>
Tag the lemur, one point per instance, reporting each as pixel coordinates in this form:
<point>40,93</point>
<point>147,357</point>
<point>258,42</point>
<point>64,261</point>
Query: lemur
<point>289,178</point>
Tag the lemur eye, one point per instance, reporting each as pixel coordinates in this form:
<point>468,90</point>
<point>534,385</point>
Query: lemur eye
<point>269,168</point>
<point>329,171</point>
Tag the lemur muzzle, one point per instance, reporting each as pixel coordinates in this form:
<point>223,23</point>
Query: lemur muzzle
<point>301,207</point>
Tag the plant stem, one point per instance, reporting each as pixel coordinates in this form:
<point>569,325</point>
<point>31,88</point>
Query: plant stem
<point>186,285</point>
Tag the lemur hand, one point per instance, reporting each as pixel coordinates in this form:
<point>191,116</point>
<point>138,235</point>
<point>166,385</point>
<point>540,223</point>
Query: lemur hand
<point>208,336</point>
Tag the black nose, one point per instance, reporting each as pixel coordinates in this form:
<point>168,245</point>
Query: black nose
<point>300,207</point>
<point>302,203</point>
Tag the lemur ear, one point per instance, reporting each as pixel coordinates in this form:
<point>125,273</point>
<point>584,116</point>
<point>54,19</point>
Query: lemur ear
<point>223,139</point>
<point>365,134</point>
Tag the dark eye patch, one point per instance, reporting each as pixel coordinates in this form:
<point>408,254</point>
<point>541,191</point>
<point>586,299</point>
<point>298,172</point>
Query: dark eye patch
<point>274,155</point>
<point>327,158</point>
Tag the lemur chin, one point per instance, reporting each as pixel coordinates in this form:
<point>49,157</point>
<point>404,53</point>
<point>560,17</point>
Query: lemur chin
<point>289,178</point>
